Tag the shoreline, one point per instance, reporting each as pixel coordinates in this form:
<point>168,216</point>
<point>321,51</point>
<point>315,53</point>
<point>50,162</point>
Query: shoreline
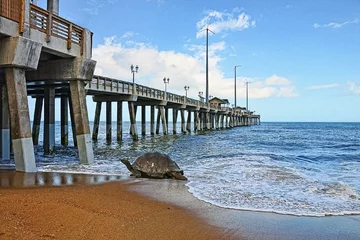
<point>224,223</point>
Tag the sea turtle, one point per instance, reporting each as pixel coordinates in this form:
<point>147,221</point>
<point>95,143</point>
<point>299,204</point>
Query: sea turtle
<point>155,165</point>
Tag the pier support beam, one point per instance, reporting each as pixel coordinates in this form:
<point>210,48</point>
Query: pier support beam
<point>208,125</point>
<point>49,120</point>
<point>188,124</point>
<point>152,119</point>
<point>158,121</point>
<point>108,121</point>
<point>175,114</point>
<point>119,121</point>
<point>17,55</point>
<point>73,131</point>
<point>64,120</point>
<point>96,121</point>
<point>196,121</point>
<point>37,120</point>
<point>133,128</point>
<point>166,119</point>
<point>5,125</point>
<point>163,119</point>
<point>20,120</point>
<point>143,120</point>
<point>183,123</point>
<point>81,121</point>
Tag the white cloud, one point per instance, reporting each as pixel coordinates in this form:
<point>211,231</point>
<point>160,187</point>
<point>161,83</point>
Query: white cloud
<point>353,88</point>
<point>276,80</point>
<point>93,6</point>
<point>128,35</point>
<point>335,25</point>
<point>114,58</point>
<point>334,85</point>
<point>222,21</point>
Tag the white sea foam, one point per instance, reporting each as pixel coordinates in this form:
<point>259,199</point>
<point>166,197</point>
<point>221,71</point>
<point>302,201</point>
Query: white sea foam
<point>259,183</point>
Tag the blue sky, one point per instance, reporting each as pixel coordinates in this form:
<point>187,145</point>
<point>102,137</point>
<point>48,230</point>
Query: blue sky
<point>300,57</point>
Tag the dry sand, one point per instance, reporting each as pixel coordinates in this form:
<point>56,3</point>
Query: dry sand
<point>107,211</point>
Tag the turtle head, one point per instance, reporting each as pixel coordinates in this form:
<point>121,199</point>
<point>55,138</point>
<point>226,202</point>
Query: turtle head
<point>128,165</point>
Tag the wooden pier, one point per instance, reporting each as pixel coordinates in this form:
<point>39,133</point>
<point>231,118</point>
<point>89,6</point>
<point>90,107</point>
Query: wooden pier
<point>46,57</point>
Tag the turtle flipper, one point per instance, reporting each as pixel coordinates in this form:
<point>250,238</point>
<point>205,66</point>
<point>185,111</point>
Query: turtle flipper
<point>177,176</point>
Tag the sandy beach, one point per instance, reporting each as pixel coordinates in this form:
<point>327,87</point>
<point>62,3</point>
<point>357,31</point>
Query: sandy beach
<point>80,206</point>
<point>106,211</point>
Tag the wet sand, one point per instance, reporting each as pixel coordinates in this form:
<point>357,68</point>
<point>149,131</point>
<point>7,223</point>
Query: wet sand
<point>105,211</point>
<point>79,206</point>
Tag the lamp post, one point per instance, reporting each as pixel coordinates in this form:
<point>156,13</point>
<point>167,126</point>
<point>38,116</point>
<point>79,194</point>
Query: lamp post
<point>235,81</point>
<point>186,90</point>
<point>134,70</point>
<point>247,96</point>
<point>200,96</point>
<point>166,81</point>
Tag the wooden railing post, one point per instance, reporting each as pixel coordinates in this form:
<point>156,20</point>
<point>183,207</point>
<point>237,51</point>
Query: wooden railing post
<point>69,36</point>
<point>48,27</point>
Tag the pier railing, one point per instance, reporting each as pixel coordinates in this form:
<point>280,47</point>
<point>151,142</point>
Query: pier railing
<point>12,9</point>
<point>44,21</point>
<point>53,25</point>
<point>102,84</point>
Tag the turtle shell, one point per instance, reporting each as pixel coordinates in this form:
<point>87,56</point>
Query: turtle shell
<point>155,164</point>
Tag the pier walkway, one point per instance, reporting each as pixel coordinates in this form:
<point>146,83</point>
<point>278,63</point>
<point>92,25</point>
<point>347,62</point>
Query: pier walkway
<point>46,57</point>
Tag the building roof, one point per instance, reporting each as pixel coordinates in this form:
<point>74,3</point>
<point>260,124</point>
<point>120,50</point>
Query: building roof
<point>218,100</point>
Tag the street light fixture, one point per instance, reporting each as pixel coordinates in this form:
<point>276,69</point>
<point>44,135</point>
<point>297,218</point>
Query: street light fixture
<point>186,90</point>
<point>235,81</point>
<point>134,70</point>
<point>200,96</point>
<point>247,97</point>
<point>166,81</point>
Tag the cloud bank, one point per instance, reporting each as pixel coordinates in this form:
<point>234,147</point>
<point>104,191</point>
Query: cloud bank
<point>222,21</point>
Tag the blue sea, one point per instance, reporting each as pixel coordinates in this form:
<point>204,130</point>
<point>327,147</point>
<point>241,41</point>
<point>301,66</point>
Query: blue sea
<point>307,169</point>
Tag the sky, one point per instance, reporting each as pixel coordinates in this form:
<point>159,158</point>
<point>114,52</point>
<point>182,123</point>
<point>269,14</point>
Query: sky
<point>301,58</point>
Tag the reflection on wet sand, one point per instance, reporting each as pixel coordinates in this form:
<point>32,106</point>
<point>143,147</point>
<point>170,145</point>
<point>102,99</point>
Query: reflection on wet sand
<point>13,179</point>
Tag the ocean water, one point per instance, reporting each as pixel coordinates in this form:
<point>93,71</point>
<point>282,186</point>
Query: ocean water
<point>308,169</point>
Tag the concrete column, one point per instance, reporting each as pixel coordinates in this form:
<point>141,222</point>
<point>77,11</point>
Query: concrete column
<point>183,123</point>
<point>81,121</point>
<point>163,119</point>
<point>64,120</point>
<point>158,121</point>
<point>216,121</point>
<point>96,121</point>
<point>222,121</point>
<point>196,119</point>
<point>37,120</point>
<point>53,6</point>
<point>201,114</point>
<point>227,121</point>
<point>108,121</point>
<point>167,118</point>
<point>152,119</point>
<point>119,121</point>
<point>49,120</point>
<point>143,120</point>
<point>73,125</point>
<point>131,129</point>
<point>175,114</point>
<point>5,124</point>
<point>208,124</point>
<point>188,124</point>
<point>20,120</point>
<point>132,114</point>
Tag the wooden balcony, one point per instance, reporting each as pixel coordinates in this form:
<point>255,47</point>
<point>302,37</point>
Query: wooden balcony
<point>50,25</point>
